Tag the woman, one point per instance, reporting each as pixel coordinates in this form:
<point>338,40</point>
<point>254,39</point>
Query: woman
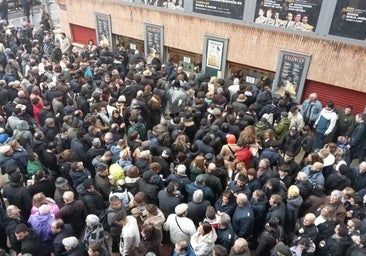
<point>293,204</point>
<point>181,144</point>
<point>226,203</point>
<point>40,199</point>
<point>268,138</point>
<point>151,238</point>
<point>197,167</point>
<point>33,164</point>
<point>94,232</point>
<point>153,215</point>
<point>203,240</point>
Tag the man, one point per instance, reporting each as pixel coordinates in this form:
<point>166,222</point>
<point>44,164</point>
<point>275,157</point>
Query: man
<point>65,44</point>
<point>30,242</point>
<point>200,184</point>
<point>307,26</point>
<point>74,247</point>
<point>78,174</point>
<point>325,124</point>
<point>180,177</point>
<point>243,217</point>
<point>102,184</point>
<point>92,199</point>
<point>338,243</point>
<point>183,248</point>
<point>240,186</point>
<point>307,227</point>
<point>180,227</point>
<point>11,221</point>
<point>73,212</point>
<point>314,173</point>
<point>60,230</point>
<point>240,248</point>
<point>213,181</point>
<point>130,235</point>
<point>289,23</point>
<point>360,179</point>
<point>358,139</point>
<point>346,122</point>
<point>225,232</point>
<point>310,109</point>
<point>336,206</point>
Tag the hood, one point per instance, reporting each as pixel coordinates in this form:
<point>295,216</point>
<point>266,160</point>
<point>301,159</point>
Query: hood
<point>23,125</point>
<point>296,201</point>
<point>131,180</point>
<point>209,238</point>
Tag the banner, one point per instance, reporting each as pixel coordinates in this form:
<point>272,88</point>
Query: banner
<point>299,15</point>
<point>232,9</point>
<point>169,4</point>
<point>154,42</point>
<point>349,19</point>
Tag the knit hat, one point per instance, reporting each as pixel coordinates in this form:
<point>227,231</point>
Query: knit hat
<point>181,208</point>
<point>70,241</point>
<point>87,183</point>
<point>230,139</point>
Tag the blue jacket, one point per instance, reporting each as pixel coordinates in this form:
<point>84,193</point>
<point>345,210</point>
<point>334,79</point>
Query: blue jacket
<point>207,192</point>
<point>314,177</point>
<point>243,220</point>
<point>313,107</point>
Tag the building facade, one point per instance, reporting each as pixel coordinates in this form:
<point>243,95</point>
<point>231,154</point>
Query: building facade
<point>310,45</point>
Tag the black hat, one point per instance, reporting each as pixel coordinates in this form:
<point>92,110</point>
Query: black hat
<point>88,183</point>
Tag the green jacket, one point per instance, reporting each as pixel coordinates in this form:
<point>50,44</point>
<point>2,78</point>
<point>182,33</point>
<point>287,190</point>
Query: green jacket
<point>282,128</point>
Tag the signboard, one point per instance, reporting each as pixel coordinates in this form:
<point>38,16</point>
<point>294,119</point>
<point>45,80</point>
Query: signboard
<point>154,41</point>
<point>349,19</point>
<point>214,57</point>
<point>292,69</point>
<point>232,9</point>
<point>103,29</point>
<point>299,15</point>
<point>169,4</point>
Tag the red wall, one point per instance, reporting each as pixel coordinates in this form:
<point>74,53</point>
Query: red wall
<point>82,34</point>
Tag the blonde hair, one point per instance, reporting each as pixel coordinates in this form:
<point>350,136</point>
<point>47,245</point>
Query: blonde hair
<point>293,191</point>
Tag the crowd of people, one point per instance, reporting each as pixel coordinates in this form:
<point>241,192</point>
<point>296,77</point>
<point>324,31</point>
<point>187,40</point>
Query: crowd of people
<point>98,143</point>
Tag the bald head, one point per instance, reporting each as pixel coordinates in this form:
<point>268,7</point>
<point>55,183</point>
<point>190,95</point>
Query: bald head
<point>241,199</point>
<point>240,245</point>
<point>313,96</point>
<point>68,197</point>
<point>309,219</point>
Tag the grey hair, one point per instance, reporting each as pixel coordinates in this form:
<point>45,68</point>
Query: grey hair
<point>198,196</point>
<point>224,219</point>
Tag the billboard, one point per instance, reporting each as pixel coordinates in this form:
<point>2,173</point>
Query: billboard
<point>349,19</point>
<point>232,9</point>
<point>299,15</point>
<point>169,4</point>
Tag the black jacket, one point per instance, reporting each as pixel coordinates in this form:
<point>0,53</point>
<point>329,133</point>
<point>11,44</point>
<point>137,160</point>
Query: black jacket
<point>93,201</point>
<point>59,248</point>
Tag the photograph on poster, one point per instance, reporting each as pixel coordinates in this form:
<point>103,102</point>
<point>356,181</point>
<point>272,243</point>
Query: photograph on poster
<point>301,15</point>
<point>103,29</point>
<point>214,54</point>
<point>170,4</point>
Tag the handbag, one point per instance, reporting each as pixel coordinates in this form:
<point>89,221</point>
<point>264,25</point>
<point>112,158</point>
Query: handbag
<point>231,157</point>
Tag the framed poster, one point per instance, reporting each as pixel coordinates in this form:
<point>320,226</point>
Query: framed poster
<point>177,5</point>
<point>226,9</point>
<point>103,29</point>
<point>214,57</point>
<point>299,15</point>
<point>292,69</point>
<point>154,41</point>
<point>349,19</point>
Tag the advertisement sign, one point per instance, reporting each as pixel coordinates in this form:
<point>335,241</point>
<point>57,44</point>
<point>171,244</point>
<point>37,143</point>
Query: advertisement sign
<point>214,56</point>
<point>232,9</point>
<point>103,29</point>
<point>169,4</point>
<point>292,69</point>
<point>299,15</point>
<point>154,42</point>
<point>349,19</point>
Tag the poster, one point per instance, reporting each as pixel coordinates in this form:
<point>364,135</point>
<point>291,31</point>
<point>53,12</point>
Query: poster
<point>291,74</point>
<point>214,54</point>
<point>154,42</point>
<point>232,9</point>
<point>169,4</point>
<point>349,19</point>
<point>301,15</point>
<point>103,29</point>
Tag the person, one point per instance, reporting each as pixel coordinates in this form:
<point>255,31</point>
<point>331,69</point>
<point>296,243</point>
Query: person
<point>307,26</point>
<point>225,231</point>
<point>203,240</point>
<point>92,199</point>
<point>338,243</point>
<point>73,212</point>
<point>270,236</point>
<point>360,177</point>
<point>306,227</point>
<point>60,230</point>
<point>325,124</point>
<point>243,218</point>
<point>179,226</point>
<point>240,248</point>
<point>197,207</point>
<point>260,19</point>
<point>10,222</point>
<point>30,241</point>
<point>4,13</point>
<point>182,248</point>
<point>310,109</point>
<point>151,238</point>
<point>226,203</point>
<point>357,140</point>
<point>65,44</point>
<point>94,232</point>
<point>130,235</point>
<point>73,247</point>
<point>304,245</point>
<point>293,204</point>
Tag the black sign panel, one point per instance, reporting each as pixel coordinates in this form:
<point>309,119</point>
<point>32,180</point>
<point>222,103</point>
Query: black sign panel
<point>291,73</point>
<point>103,29</point>
<point>349,19</point>
<point>170,4</point>
<point>291,14</point>
<point>154,43</point>
<point>232,9</point>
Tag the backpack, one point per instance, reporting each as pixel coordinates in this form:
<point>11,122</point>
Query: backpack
<point>103,219</point>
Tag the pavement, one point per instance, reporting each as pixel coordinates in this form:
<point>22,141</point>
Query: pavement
<point>16,17</point>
